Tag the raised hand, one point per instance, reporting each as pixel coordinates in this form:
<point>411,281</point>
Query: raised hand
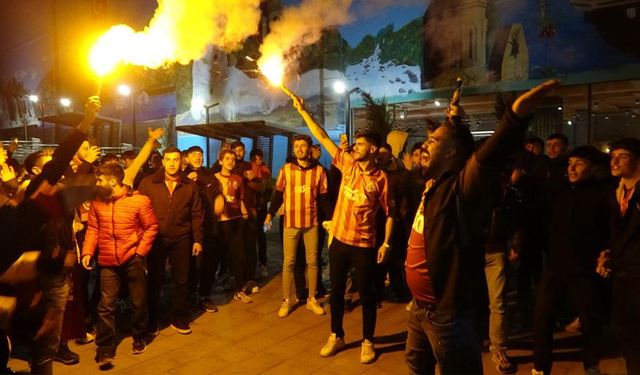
<point>7,173</point>
<point>155,133</point>
<point>527,102</point>
<point>92,154</point>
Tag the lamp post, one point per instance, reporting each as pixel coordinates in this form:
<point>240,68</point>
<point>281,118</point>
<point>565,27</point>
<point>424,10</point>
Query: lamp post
<point>340,88</point>
<point>125,90</point>
<point>207,108</point>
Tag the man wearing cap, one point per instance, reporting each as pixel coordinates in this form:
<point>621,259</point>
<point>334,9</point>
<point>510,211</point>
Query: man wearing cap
<point>579,231</point>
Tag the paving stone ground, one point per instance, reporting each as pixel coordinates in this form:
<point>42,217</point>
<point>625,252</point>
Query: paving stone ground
<point>252,339</point>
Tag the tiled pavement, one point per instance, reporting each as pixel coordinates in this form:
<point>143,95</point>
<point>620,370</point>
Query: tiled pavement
<point>252,339</point>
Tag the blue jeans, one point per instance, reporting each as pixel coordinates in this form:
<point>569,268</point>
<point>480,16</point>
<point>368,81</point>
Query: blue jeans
<point>448,340</point>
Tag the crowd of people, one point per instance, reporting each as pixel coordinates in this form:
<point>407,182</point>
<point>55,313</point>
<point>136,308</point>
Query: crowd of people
<point>441,225</point>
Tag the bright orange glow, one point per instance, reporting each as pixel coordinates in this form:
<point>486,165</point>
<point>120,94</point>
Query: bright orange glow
<point>272,67</point>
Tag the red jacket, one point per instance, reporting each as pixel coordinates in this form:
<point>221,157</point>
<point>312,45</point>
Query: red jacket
<point>120,228</point>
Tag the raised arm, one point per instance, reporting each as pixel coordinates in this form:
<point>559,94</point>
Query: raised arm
<point>316,130</point>
<point>146,150</point>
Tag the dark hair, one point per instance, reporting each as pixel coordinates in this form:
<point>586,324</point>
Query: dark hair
<point>111,170</point>
<point>463,138</point>
<point>416,146</point>
<point>194,149</point>
<point>237,144</point>
<point>534,141</point>
<point>109,158</point>
<point>256,152</point>
<point>589,153</point>
<point>630,144</point>
<point>563,138</point>
<point>128,155</point>
<point>183,153</point>
<point>225,151</point>
<point>302,137</point>
<point>170,150</point>
<point>371,137</point>
<point>32,160</point>
<point>387,147</point>
<point>316,146</point>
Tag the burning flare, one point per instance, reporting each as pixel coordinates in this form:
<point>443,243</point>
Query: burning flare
<point>298,26</point>
<point>180,31</point>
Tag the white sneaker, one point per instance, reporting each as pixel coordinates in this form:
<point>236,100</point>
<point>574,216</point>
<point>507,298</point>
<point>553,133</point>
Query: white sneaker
<point>242,297</point>
<point>334,344</point>
<point>536,372</point>
<point>285,308</point>
<point>367,354</point>
<point>408,307</point>
<point>313,305</point>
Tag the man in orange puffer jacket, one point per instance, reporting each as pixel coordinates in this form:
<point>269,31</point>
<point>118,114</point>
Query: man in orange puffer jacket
<point>122,226</point>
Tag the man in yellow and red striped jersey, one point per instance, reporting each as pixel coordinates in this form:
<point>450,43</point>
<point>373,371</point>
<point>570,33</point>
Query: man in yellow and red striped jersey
<point>364,190</point>
<point>302,188</point>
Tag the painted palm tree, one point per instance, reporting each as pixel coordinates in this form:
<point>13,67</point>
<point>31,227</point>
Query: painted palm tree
<point>379,118</point>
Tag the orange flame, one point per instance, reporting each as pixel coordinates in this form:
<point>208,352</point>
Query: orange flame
<point>272,67</point>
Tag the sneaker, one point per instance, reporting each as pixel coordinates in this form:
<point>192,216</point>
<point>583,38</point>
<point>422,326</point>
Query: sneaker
<point>263,271</point>
<point>574,326</point>
<point>89,337</point>
<point>181,327</point>
<point>207,305</point>
<point>334,344</point>
<point>536,372</point>
<point>251,288</point>
<point>242,297</point>
<point>104,359</point>
<point>408,307</point>
<point>139,346</point>
<point>66,356</point>
<point>285,308</point>
<point>503,362</point>
<point>367,354</point>
<point>313,305</point>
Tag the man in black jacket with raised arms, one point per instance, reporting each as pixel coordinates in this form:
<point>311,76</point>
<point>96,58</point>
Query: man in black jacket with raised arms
<point>444,258</point>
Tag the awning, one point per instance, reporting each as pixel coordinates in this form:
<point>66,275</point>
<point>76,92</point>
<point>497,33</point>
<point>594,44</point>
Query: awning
<point>74,118</point>
<point>247,129</point>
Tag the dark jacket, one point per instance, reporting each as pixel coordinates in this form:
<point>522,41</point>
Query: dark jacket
<point>209,189</point>
<point>456,209</point>
<point>179,214</point>
<point>625,237</point>
<point>578,229</point>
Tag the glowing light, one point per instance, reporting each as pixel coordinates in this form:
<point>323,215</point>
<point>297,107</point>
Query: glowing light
<point>124,89</point>
<point>197,103</point>
<point>111,49</point>
<point>272,67</point>
<point>437,103</point>
<point>559,108</point>
<point>65,102</point>
<point>339,87</point>
<point>34,98</point>
<point>569,123</point>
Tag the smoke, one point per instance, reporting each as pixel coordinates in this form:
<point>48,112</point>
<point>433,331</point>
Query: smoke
<point>302,25</point>
<point>191,25</point>
<point>179,31</point>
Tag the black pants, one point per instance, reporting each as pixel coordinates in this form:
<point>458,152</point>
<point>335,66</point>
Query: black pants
<point>179,254</point>
<point>232,236</point>
<point>341,258</point>
<point>250,235</point>
<point>552,292</point>
<point>134,273</point>
<point>261,236</point>
<point>203,268</point>
<point>626,319</point>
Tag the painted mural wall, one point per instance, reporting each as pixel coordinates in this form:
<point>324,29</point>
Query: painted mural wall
<point>400,49</point>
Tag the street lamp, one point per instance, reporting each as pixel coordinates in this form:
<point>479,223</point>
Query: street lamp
<point>341,88</point>
<point>33,98</point>
<point>65,102</point>
<point>126,91</point>
<point>207,108</point>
